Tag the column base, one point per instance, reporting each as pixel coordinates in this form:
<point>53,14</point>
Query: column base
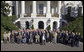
<point>48,15</point>
<point>33,15</point>
<point>21,15</point>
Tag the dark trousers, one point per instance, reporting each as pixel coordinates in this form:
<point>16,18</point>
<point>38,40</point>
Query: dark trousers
<point>58,40</point>
<point>66,42</point>
<point>77,43</point>
<point>27,41</point>
<point>40,39</point>
<point>72,43</point>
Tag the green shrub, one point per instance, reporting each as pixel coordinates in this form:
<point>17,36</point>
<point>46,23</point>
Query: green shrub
<point>7,25</point>
<point>32,27</point>
<point>75,26</point>
<point>2,32</point>
<point>48,28</point>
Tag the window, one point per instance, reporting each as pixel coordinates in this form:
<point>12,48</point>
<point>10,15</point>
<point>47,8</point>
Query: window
<point>13,10</point>
<point>30,8</point>
<point>41,9</point>
<point>79,11</point>
<point>69,10</point>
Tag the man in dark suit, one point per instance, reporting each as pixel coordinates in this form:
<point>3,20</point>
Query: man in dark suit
<point>27,37</point>
<point>66,37</point>
<point>15,37</point>
<point>45,35</point>
<point>41,37</point>
<point>77,39</point>
<point>72,39</point>
<point>63,37</point>
<point>58,36</point>
<point>69,41</point>
<point>50,36</point>
<point>34,33</point>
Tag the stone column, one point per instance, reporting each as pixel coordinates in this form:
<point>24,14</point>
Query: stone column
<point>33,9</point>
<point>56,10</point>
<point>59,12</point>
<point>17,8</point>
<point>22,8</point>
<point>82,7</point>
<point>52,11</point>
<point>44,10</point>
<point>59,6</point>
<point>48,14</point>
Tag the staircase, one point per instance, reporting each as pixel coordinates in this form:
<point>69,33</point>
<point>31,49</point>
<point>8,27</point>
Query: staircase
<point>16,20</point>
<point>64,21</point>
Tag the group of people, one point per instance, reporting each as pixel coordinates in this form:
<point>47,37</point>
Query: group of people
<point>69,38</point>
<point>43,36</point>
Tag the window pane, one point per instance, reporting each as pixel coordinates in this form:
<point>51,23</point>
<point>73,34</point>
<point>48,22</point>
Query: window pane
<point>41,9</point>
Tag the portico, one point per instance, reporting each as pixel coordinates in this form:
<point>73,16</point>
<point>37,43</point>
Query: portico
<point>40,11</point>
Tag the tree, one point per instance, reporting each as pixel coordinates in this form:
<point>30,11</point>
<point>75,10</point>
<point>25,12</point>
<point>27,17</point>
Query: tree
<point>5,8</point>
<point>6,21</point>
<point>75,26</point>
<point>7,25</point>
<point>48,28</point>
<point>32,27</point>
<point>68,18</point>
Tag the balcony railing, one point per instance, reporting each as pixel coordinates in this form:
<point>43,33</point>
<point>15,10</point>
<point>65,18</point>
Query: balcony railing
<point>27,15</point>
<point>41,15</point>
<point>55,15</point>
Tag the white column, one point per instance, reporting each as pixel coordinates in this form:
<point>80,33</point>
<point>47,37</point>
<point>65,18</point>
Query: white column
<point>59,6</point>
<point>48,14</point>
<point>59,12</point>
<point>52,11</point>
<point>44,10</point>
<point>17,8</point>
<point>56,10</point>
<point>82,11</point>
<point>22,8</point>
<point>34,9</point>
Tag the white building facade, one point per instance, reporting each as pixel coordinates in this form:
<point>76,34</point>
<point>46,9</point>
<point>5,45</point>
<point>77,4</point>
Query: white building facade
<point>40,14</point>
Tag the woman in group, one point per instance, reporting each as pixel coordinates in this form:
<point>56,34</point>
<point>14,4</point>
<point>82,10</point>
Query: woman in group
<point>37,37</point>
<point>55,36</point>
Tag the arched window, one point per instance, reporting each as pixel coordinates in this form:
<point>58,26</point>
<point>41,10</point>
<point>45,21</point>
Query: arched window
<point>41,25</point>
<point>41,8</point>
<point>27,24</point>
<point>55,25</point>
<point>69,10</point>
<point>79,11</point>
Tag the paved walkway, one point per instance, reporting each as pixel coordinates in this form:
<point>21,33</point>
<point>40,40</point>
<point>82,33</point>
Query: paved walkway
<point>38,47</point>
